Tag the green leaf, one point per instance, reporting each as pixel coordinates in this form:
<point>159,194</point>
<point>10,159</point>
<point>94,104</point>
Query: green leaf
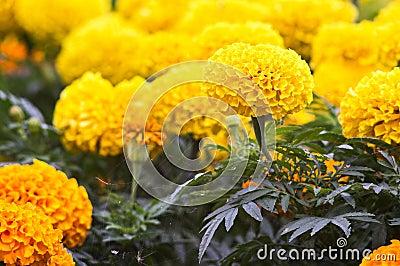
<point>267,203</point>
<point>253,210</point>
<point>230,218</point>
<point>284,130</point>
<point>349,199</point>
<point>208,235</point>
<point>319,225</point>
<point>307,135</point>
<point>285,202</point>
<point>344,224</point>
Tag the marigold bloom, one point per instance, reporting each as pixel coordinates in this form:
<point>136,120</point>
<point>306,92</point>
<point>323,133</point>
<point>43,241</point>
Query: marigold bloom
<point>162,49</point>
<point>334,86</point>
<point>67,204</point>
<point>284,80</point>
<point>222,34</point>
<point>12,51</point>
<point>153,15</point>
<point>85,49</point>
<point>298,20</point>
<point>7,19</point>
<point>371,109</point>
<point>385,255</point>
<point>48,20</point>
<point>349,42</point>
<point>90,114</point>
<point>208,12</point>
<point>27,237</point>
<point>389,47</point>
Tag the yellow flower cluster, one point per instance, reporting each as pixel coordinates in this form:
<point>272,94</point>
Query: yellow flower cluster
<point>351,51</point>
<point>48,20</point>
<point>152,15</point>
<point>27,237</point>
<point>298,20</point>
<point>162,49</point>
<point>222,34</point>
<point>284,79</point>
<point>90,113</point>
<point>380,256</point>
<point>107,45</point>
<point>208,12</point>
<point>67,204</point>
<point>371,109</point>
<point>7,19</point>
<point>347,42</point>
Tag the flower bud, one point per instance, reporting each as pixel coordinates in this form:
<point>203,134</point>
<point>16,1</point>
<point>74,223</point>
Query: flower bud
<point>34,125</point>
<point>16,113</point>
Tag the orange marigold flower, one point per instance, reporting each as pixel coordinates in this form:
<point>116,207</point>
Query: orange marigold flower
<point>12,51</point>
<point>27,237</point>
<point>67,204</point>
<point>379,255</point>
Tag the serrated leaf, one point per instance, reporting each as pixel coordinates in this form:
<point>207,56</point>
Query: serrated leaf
<point>230,218</point>
<point>345,146</point>
<point>253,210</point>
<point>343,224</point>
<point>298,223</point>
<point>301,230</point>
<point>349,199</point>
<point>352,173</point>
<point>208,235</point>
<point>394,222</point>
<point>267,203</point>
<point>286,130</point>
<point>319,225</point>
<point>307,135</point>
<point>285,202</point>
<point>388,158</point>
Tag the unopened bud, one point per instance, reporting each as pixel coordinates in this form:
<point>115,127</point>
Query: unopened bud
<point>16,113</point>
<point>34,125</point>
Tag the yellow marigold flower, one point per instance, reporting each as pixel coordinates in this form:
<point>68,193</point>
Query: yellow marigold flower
<point>90,114</point>
<point>284,79</point>
<point>371,109</point>
<point>222,34</point>
<point>381,255</point>
<point>389,14</point>
<point>67,204</point>
<point>389,48</point>
<point>7,19</point>
<point>12,51</point>
<point>48,20</point>
<point>27,237</point>
<point>334,86</point>
<point>347,41</point>
<point>162,49</point>
<point>85,49</point>
<point>153,15</point>
<point>298,20</point>
<point>208,12</point>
